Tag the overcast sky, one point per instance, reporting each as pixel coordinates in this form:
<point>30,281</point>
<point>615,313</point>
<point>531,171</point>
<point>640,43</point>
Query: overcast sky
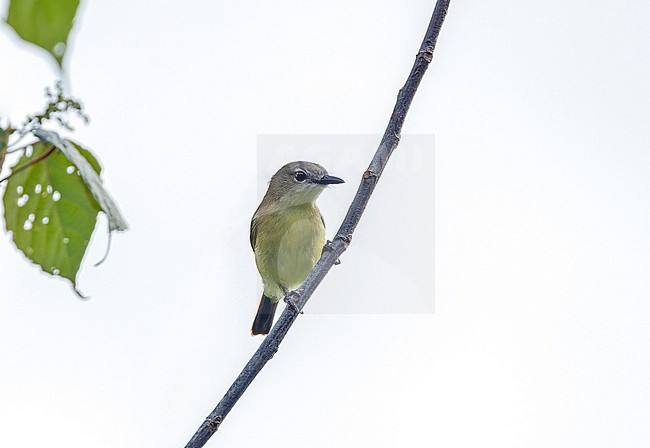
<point>524,173</point>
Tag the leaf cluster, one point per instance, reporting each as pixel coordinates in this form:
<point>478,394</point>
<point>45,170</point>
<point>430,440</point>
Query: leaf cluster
<point>54,193</point>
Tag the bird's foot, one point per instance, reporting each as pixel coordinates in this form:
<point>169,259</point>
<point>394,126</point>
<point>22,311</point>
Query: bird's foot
<point>290,299</point>
<point>328,247</point>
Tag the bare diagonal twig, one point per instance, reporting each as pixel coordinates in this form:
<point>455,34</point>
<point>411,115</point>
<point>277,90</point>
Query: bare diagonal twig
<point>34,161</point>
<point>334,249</point>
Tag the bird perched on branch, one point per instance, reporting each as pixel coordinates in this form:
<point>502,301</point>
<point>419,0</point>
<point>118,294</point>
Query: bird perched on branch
<point>287,234</point>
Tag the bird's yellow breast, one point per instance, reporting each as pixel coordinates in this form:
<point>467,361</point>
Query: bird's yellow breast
<point>288,245</point>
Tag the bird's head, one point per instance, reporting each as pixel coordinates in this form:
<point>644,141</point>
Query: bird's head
<point>298,183</point>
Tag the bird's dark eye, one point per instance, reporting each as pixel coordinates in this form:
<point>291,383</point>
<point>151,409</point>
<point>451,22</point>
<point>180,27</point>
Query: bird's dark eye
<point>300,176</point>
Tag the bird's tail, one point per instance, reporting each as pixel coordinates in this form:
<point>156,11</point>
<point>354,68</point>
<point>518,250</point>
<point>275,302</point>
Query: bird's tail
<point>264,317</point>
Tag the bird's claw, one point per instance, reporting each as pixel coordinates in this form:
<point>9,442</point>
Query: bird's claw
<point>288,299</point>
<point>327,247</point>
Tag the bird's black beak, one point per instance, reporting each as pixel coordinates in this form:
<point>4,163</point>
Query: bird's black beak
<point>327,180</point>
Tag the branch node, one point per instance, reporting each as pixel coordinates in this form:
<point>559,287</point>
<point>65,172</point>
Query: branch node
<point>272,349</point>
<point>214,422</point>
<point>427,54</point>
<point>369,173</point>
<point>347,239</point>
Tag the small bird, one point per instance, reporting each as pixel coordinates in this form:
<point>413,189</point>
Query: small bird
<point>287,234</point>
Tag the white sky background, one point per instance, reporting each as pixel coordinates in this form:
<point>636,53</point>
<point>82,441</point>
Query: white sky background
<point>541,329</point>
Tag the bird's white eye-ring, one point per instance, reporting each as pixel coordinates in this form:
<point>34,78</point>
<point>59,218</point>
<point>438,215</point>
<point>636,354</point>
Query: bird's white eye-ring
<point>300,176</point>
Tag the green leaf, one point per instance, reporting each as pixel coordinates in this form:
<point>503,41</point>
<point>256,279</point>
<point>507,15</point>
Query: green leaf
<point>93,182</point>
<point>50,211</point>
<point>45,23</point>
